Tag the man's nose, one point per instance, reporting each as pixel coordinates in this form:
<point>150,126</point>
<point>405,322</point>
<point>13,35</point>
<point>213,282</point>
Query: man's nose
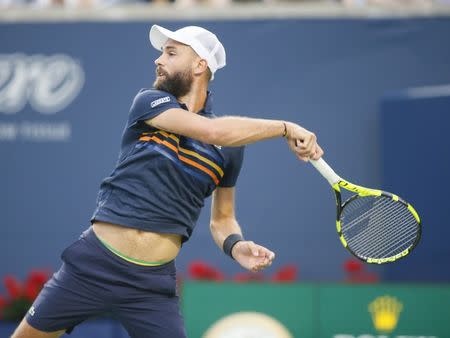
<point>158,61</point>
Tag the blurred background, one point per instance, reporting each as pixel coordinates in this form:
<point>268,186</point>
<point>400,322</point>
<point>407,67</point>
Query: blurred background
<point>370,77</point>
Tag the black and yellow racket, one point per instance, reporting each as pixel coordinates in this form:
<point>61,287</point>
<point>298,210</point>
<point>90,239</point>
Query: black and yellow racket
<point>374,225</point>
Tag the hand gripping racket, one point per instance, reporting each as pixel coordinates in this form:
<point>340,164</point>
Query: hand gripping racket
<point>374,225</point>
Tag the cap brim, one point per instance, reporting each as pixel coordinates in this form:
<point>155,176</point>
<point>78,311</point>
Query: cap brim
<point>159,35</point>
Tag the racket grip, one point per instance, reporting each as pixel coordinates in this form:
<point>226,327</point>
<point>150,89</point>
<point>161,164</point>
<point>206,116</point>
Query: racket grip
<point>326,171</point>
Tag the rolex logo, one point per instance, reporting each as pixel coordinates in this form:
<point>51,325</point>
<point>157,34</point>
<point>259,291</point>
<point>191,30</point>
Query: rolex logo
<point>385,313</point>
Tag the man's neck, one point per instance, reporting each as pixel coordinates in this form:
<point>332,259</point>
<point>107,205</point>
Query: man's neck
<point>195,100</point>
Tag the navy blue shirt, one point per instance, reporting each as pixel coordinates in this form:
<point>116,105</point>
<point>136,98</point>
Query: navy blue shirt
<point>162,179</point>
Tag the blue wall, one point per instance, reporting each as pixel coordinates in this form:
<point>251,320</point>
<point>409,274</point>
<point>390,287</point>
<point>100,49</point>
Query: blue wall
<point>326,74</point>
<point>416,163</point>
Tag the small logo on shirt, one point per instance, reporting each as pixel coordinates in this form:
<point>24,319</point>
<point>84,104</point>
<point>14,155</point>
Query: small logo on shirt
<point>159,101</point>
<point>218,147</point>
<point>31,311</point>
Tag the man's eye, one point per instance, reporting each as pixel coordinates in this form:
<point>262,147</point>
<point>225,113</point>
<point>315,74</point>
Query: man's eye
<point>172,53</point>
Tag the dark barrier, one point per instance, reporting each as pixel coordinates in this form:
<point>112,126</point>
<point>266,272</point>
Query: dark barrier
<point>65,90</point>
<point>416,162</point>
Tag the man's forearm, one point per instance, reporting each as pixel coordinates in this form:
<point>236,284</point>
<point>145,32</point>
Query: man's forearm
<point>235,131</point>
<point>221,229</point>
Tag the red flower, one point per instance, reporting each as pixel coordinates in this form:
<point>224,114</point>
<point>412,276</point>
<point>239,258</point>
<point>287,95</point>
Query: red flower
<point>2,305</point>
<point>34,283</point>
<point>285,274</point>
<point>352,265</point>
<point>31,291</point>
<point>203,271</point>
<point>356,272</point>
<point>2,302</point>
<point>13,287</point>
<point>15,304</point>
<point>38,277</point>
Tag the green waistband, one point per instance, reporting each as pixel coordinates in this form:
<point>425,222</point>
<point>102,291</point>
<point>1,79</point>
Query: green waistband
<point>129,259</point>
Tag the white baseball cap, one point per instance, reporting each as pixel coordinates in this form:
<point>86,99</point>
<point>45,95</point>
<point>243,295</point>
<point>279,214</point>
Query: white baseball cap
<point>202,41</point>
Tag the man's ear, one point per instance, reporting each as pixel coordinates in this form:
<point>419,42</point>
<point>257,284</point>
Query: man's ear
<point>201,67</point>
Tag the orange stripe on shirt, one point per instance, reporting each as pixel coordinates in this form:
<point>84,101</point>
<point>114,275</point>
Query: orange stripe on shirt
<point>192,153</point>
<point>201,158</point>
<point>167,144</point>
<point>166,134</point>
<point>199,166</point>
<point>182,158</point>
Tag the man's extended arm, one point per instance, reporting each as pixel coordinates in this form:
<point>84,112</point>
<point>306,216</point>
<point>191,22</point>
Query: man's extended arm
<point>223,223</point>
<point>237,131</point>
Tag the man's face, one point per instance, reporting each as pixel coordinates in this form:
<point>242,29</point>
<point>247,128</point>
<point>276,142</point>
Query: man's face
<point>174,69</point>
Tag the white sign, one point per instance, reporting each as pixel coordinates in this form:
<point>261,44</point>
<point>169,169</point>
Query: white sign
<point>48,83</point>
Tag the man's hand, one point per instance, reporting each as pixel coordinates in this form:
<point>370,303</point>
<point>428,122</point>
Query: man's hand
<point>252,256</point>
<point>303,142</point>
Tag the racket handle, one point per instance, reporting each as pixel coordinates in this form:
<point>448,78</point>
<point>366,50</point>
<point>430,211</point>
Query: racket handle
<point>326,171</point>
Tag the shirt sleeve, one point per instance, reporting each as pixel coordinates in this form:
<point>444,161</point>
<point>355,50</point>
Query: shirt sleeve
<point>233,166</point>
<point>149,103</point>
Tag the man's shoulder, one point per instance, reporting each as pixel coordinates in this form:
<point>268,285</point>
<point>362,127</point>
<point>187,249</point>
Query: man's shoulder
<point>153,97</point>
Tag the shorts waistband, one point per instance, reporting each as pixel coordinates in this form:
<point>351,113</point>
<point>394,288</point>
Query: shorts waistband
<point>90,236</point>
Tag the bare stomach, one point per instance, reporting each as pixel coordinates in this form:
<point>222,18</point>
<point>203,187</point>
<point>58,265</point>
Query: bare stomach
<point>138,244</point>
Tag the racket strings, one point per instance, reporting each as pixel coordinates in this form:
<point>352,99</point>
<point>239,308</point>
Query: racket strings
<point>360,210</point>
<point>370,211</point>
<point>398,244</point>
<point>407,242</point>
<point>364,235</point>
<point>361,233</point>
<point>384,242</point>
<point>377,226</point>
<point>380,239</point>
<point>384,247</point>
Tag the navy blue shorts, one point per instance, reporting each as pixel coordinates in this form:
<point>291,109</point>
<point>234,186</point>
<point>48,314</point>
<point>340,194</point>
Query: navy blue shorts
<point>93,281</point>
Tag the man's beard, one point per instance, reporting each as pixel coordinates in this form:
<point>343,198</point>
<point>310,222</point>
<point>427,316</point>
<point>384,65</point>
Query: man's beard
<point>178,84</point>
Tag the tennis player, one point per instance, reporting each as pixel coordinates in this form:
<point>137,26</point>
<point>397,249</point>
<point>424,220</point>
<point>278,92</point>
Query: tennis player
<point>174,154</point>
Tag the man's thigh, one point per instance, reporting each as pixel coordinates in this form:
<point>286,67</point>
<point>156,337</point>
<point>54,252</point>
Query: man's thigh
<point>25,330</point>
<point>156,317</point>
<point>63,303</point>
<point>72,295</point>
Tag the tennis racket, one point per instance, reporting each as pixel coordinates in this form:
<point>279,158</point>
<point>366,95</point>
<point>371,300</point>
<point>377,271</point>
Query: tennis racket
<point>375,226</point>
